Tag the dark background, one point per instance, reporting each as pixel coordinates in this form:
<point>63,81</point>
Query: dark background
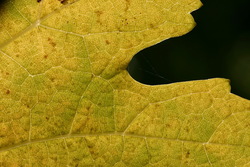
<point>219,46</point>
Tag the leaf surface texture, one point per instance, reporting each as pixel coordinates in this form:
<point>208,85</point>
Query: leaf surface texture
<point>67,100</point>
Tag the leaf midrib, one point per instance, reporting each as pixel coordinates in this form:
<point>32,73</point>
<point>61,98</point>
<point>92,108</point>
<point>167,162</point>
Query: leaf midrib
<point>115,134</point>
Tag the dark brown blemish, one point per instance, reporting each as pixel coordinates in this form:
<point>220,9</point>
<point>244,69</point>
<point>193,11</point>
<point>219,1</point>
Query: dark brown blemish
<point>52,79</point>
<point>187,154</point>
<point>8,92</point>
<point>107,42</point>
<point>119,29</point>
<point>187,130</point>
<point>90,146</point>
<point>88,108</point>
<point>51,42</point>
<point>7,73</point>
<point>64,2</point>
<point>45,56</point>
<point>151,25</point>
<point>98,13</point>
<point>47,118</point>
<point>38,1</point>
<point>157,106</point>
<point>126,20</point>
<point>168,125</point>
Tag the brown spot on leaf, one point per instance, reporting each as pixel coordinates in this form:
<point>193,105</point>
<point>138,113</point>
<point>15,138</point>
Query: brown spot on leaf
<point>7,92</point>
<point>90,146</point>
<point>107,42</point>
<point>98,13</point>
<point>64,2</point>
<point>45,56</point>
<point>168,125</point>
<point>7,73</point>
<point>51,42</point>
<point>157,105</point>
<point>151,25</point>
<point>187,154</point>
<point>88,107</point>
<point>119,29</point>
<point>52,79</point>
<point>92,129</point>
<point>187,129</point>
<point>38,1</point>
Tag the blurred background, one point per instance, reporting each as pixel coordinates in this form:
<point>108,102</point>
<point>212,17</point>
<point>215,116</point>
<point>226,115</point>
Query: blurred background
<point>219,46</point>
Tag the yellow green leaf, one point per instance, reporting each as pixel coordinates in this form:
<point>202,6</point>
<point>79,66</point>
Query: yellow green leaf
<point>66,98</point>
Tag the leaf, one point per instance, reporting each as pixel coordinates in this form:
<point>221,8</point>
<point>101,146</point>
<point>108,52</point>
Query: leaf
<point>67,100</point>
